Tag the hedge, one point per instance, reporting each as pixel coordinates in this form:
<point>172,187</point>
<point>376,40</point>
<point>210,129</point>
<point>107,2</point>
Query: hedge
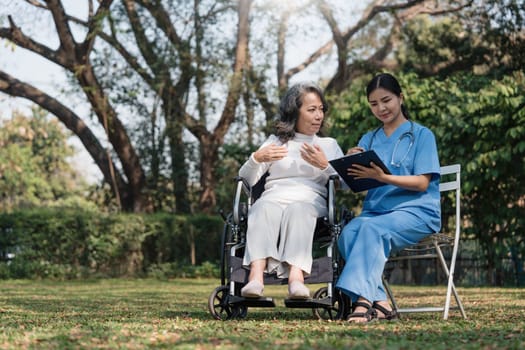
<point>74,243</point>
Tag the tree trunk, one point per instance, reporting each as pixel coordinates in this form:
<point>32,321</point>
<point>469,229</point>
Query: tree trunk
<point>210,143</point>
<point>179,172</point>
<point>209,158</point>
<point>136,198</point>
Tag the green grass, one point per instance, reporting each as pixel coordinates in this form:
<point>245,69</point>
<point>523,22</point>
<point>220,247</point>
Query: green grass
<point>140,314</point>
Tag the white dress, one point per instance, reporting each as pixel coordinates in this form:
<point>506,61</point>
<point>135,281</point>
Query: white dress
<point>282,221</point>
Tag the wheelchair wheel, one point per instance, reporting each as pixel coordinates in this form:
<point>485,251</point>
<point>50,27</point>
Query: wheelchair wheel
<point>219,307</point>
<point>334,312</point>
<point>241,311</point>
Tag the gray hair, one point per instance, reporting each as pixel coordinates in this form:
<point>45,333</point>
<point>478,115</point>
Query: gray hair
<point>289,108</point>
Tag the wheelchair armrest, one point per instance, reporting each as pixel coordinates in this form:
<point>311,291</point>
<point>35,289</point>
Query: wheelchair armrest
<point>240,210</point>
<point>245,183</point>
<point>332,181</point>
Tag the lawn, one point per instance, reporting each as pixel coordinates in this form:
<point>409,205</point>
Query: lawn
<point>154,314</point>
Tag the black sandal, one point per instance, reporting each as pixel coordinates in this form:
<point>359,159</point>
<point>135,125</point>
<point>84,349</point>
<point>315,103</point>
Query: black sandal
<point>369,315</point>
<point>390,315</point>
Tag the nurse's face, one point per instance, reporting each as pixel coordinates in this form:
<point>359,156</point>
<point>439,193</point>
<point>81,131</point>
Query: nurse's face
<point>311,115</point>
<point>386,106</point>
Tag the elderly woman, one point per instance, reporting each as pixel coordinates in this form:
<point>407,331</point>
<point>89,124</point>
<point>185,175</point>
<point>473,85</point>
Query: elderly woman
<point>282,221</point>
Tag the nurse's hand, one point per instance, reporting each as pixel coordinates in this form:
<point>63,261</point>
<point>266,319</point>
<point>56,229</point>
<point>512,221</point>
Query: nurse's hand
<point>363,172</point>
<point>355,150</point>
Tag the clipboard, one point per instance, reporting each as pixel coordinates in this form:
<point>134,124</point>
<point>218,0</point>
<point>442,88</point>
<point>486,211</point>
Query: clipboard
<point>342,164</point>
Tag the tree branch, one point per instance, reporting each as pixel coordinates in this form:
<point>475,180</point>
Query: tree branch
<point>241,59</point>
<point>163,21</point>
<point>140,36</point>
<point>15,34</point>
<point>438,10</point>
<point>15,87</point>
<point>343,38</point>
<point>67,43</point>
<point>113,41</point>
<point>36,4</point>
<point>94,26</point>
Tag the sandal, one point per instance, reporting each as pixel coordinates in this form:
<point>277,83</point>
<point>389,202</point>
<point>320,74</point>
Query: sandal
<point>389,315</point>
<point>369,315</point>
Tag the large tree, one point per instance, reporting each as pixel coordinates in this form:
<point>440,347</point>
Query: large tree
<point>75,57</point>
<point>200,66</point>
<point>172,79</point>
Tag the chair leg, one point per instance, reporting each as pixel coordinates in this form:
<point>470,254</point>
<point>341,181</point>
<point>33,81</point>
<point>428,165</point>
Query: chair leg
<point>390,294</point>
<point>451,288</point>
<point>458,301</point>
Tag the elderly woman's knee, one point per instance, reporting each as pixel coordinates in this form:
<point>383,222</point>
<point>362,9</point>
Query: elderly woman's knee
<point>300,209</point>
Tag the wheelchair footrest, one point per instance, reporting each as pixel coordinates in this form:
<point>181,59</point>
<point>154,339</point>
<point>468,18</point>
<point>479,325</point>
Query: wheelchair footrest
<point>308,303</point>
<point>252,302</point>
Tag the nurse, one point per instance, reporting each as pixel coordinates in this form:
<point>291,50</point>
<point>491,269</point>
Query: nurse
<point>396,215</point>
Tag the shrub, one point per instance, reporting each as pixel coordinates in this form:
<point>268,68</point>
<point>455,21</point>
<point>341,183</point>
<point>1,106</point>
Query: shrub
<point>67,243</point>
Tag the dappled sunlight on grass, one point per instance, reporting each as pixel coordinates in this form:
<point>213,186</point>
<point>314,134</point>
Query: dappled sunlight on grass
<point>139,314</point>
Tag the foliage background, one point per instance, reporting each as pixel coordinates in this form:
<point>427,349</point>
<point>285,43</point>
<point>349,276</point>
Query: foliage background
<point>190,88</point>
<point>480,124</point>
<point>68,243</point>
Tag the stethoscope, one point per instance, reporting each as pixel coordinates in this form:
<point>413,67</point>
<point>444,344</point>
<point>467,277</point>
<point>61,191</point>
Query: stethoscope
<point>411,138</point>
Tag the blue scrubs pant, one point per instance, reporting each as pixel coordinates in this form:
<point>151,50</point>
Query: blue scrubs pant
<point>365,244</point>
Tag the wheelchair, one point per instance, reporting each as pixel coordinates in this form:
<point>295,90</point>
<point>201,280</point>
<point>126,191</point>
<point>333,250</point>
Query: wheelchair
<point>225,302</point>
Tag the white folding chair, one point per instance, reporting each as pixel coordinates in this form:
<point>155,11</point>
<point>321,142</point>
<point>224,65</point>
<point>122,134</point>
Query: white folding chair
<point>430,247</point>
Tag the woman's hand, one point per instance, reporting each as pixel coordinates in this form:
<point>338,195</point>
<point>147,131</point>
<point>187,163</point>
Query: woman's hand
<point>270,153</point>
<point>363,172</point>
<point>409,182</point>
<point>355,150</point>
<point>314,155</point>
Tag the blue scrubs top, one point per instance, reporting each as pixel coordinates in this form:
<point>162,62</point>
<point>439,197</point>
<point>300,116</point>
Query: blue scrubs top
<point>410,150</point>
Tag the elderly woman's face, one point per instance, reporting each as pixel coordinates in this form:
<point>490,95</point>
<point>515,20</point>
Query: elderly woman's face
<point>311,115</point>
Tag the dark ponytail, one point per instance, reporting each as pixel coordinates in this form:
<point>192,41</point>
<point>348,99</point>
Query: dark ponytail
<point>404,110</point>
